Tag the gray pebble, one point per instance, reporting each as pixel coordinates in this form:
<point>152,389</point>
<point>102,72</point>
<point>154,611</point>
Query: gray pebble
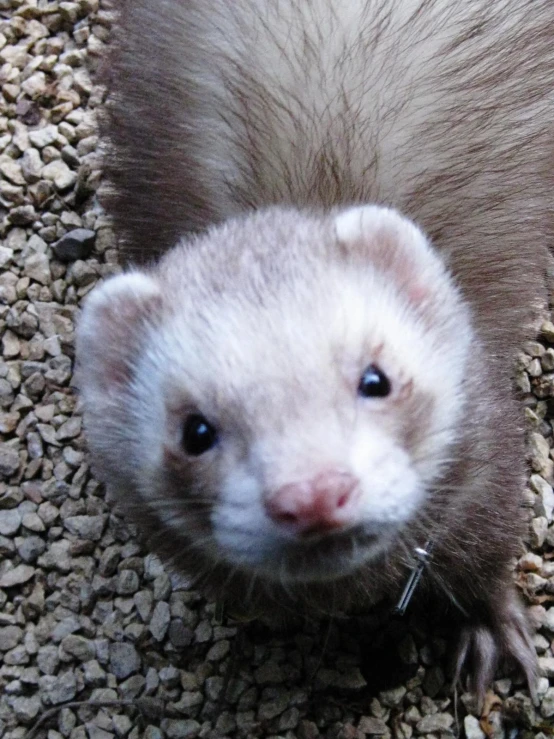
<point>179,634</point>
<point>56,689</point>
<point>86,527</point>
<point>30,548</point>
<point>66,721</point>
<point>435,722</point>
<point>78,646</point>
<point>124,659</point>
<point>132,687</point>
<point>10,636</point>
<point>371,725</point>
<point>272,708</point>
<point>152,732</point>
<point>122,724</point>
<point>159,622</point>
<point>472,728</point>
<point>547,704</point>
<point>7,546</point>
<point>392,697</point>
<point>96,732</point>
<point>16,576</point>
<point>10,520</point>
<point>77,244</point>
<point>9,460</point>
<point>22,215</point>
<point>70,429</point>
<point>188,701</point>
<point>26,709</point>
<point>181,729</point>
<point>31,165</point>
<point>219,650</point>
<point>94,675</point>
<point>43,136</point>
<point>288,719</point>
<point>48,659</point>
<point>67,625</point>
<point>37,267</point>
<point>127,582</point>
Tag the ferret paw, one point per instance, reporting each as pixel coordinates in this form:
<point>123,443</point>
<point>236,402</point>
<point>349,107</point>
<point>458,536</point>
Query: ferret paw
<point>482,648</point>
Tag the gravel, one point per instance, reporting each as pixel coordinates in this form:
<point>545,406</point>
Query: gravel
<point>85,613</point>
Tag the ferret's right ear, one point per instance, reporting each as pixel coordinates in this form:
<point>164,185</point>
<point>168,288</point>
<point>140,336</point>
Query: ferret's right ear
<point>111,330</point>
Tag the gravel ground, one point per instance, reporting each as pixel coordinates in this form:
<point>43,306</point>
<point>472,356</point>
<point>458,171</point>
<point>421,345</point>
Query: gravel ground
<point>85,613</point>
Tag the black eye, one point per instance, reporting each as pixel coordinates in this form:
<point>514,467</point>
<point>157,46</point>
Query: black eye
<point>374,383</point>
<point>198,435</point>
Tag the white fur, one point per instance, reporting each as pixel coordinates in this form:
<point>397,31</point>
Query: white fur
<point>280,384</point>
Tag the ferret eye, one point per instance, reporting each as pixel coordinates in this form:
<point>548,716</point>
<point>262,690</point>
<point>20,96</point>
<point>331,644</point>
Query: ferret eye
<point>374,383</point>
<point>198,435</point>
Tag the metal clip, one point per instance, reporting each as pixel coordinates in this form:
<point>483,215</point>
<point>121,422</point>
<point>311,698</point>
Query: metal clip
<point>422,555</point>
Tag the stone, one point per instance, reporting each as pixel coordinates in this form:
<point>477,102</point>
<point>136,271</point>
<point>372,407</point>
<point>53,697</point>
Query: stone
<point>37,267</point>
<point>16,576</point>
<point>35,85</point>
<point>31,165</point>
<point>86,527</point>
<point>269,674</point>
<point>97,732</point>
<point>219,651</point>
<point>547,704</point>
<point>77,244</point>
<point>392,697</point>
<point>63,628</point>
<point>122,724</point>
<point>473,728</point>
<point>26,709</point>
<point>272,708</point>
<point>43,136</point>
<point>181,729</point>
<point>10,520</point>
<point>127,582</point>
<point>10,636</point>
<point>48,659</point>
<point>159,622</point>
<point>371,725</point>
<point>78,646</point>
<point>546,666</point>
<point>57,689</point>
<point>124,659</point>
<point>60,174</point>
<point>22,215</point>
<point>70,429</point>
<point>179,634</point>
<point>435,722</point>
<point>31,548</point>
<point>94,675</point>
<point>6,256</point>
<point>12,171</point>
<point>9,461</point>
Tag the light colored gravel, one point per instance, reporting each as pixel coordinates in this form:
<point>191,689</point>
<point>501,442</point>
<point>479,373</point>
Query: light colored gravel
<point>85,613</point>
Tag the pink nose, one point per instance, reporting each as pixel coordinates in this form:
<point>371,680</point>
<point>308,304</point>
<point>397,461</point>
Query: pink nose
<point>321,504</point>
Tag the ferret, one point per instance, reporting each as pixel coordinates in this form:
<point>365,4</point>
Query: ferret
<point>340,212</point>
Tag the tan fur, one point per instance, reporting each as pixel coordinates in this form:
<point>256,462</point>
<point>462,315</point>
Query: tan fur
<point>439,109</point>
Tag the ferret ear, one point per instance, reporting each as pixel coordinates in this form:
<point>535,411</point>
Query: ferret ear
<point>393,244</point>
<point>111,330</point>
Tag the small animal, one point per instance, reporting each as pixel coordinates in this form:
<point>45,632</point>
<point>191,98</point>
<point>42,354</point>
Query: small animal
<point>343,211</point>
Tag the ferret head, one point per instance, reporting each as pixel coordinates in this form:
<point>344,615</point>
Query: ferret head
<point>282,393</point>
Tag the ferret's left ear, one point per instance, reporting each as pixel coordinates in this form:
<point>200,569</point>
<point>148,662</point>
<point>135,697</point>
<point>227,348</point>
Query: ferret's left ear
<point>387,241</point>
<point>112,329</point>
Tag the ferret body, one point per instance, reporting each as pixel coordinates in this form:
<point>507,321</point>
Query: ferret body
<point>354,198</point>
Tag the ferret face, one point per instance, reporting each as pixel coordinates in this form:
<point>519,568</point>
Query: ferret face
<point>281,393</point>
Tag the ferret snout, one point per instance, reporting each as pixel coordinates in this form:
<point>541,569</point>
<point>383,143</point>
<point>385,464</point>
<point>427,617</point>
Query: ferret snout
<point>327,502</point>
